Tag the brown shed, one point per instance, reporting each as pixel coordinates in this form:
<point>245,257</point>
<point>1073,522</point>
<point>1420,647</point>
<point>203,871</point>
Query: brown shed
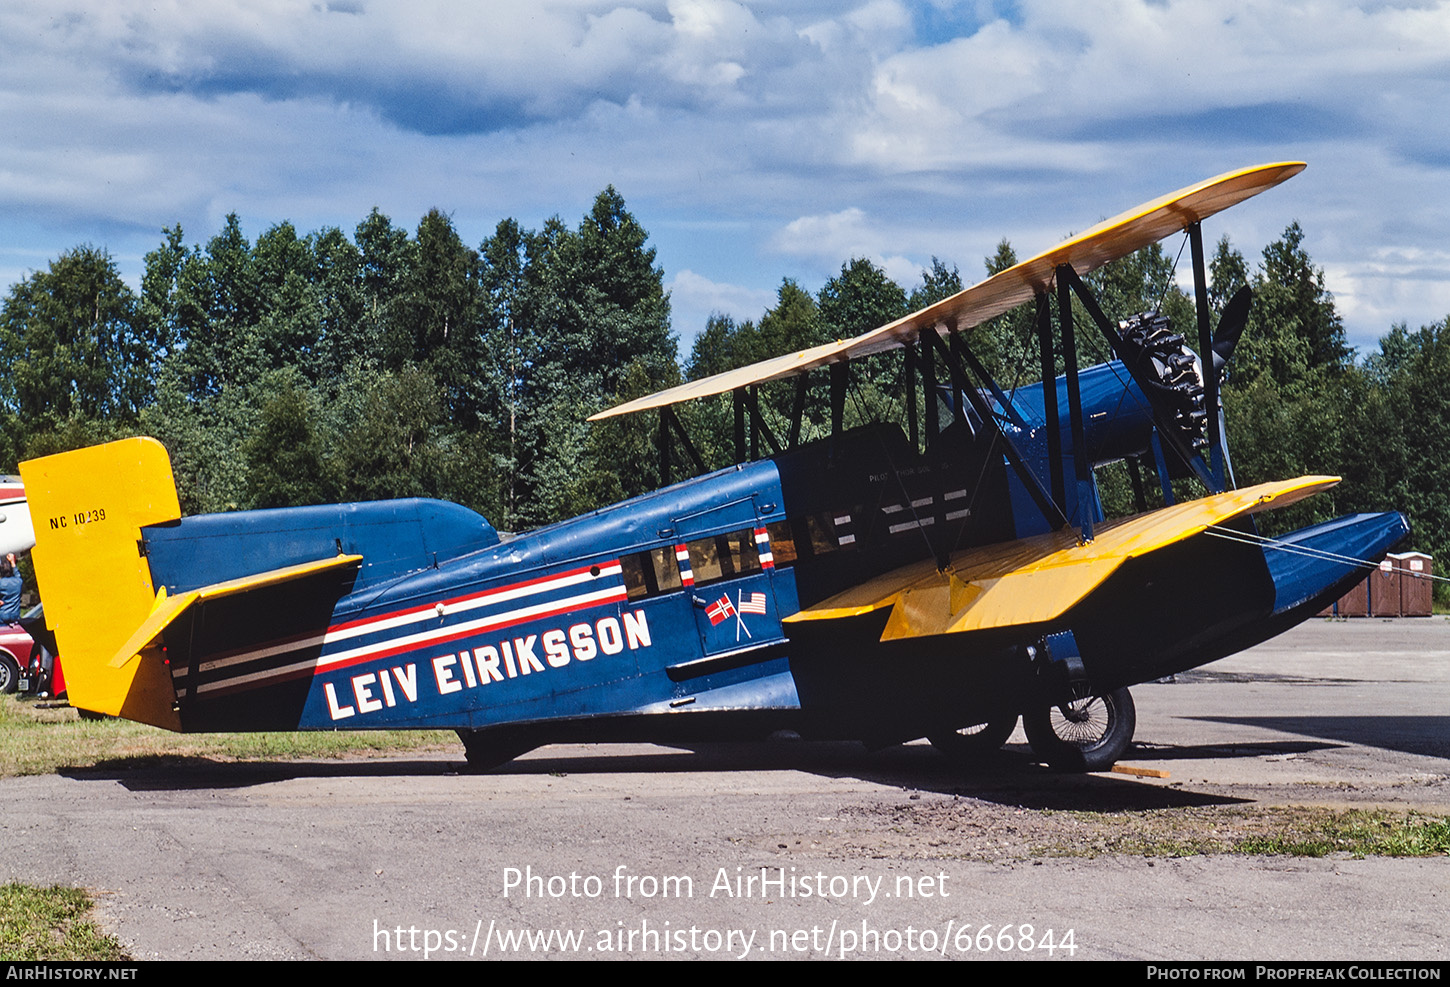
<point>1384,591</point>
<point>1414,570</point>
<point>1355,603</point>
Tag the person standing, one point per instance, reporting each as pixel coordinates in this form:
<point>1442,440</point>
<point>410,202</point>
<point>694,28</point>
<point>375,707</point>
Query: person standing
<point>10,590</point>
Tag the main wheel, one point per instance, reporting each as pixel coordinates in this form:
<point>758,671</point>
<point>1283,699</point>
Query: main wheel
<point>977,740</point>
<point>9,673</point>
<point>1086,733</point>
<point>485,750</point>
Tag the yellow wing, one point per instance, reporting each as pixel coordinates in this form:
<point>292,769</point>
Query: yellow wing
<point>1038,579</point>
<point>1107,241</point>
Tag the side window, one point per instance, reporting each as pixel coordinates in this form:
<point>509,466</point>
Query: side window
<point>630,567</point>
<point>724,556</point>
<point>650,573</point>
<point>782,543</point>
<point>823,533</point>
<point>666,569</point>
<point>704,560</point>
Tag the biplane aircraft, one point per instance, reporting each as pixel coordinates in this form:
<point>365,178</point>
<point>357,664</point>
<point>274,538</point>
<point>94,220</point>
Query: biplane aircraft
<point>937,577</point>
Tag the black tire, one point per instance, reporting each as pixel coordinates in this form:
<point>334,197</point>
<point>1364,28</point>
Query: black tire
<point>9,673</point>
<point>487,749</point>
<point>1088,733</point>
<point>975,741</point>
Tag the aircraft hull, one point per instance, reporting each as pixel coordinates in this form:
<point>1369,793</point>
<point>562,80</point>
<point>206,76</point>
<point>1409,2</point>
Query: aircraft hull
<point>1175,609</point>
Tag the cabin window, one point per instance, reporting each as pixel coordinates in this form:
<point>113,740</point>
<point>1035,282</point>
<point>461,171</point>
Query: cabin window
<point>782,543</point>
<point>824,533</point>
<point>650,573</point>
<point>724,556</point>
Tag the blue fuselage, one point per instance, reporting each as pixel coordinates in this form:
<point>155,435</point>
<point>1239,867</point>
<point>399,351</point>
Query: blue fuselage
<point>670,604</point>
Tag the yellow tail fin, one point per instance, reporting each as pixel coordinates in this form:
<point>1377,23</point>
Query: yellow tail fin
<point>88,508</point>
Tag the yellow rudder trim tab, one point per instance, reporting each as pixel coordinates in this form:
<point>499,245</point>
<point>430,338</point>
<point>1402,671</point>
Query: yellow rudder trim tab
<point>88,507</point>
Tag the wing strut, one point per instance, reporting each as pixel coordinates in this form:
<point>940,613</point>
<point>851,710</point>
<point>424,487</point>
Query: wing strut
<point>1082,472</point>
<point>670,423</point>
<point>1049,399</point>
<point>1217,451</point>
<point>1050,509</point>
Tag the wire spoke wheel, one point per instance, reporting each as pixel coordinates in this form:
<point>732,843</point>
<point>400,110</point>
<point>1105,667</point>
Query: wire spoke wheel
<point>1085,733</point>
<point>1083,722</point>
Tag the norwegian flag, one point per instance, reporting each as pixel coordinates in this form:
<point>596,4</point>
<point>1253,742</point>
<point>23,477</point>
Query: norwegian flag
<point>756,603</point>
<point>720,610</point>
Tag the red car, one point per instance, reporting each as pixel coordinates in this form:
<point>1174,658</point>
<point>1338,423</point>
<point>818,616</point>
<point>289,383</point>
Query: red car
<point>27,662</point>
<point>16,648</point>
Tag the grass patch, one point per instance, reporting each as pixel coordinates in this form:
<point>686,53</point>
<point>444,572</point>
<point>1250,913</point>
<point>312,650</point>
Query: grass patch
<point>1360,834</point>
<point>1297,831</point>
<point>40,739</point>
<point>51,924</point>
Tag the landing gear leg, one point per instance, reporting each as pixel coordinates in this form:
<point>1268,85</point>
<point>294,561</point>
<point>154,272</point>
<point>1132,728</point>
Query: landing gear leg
<point>1085,733</point>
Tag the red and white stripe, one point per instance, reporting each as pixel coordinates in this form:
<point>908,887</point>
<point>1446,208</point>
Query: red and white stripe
<point>412,616</point>
<point>762,545</point>
<point>682,558</point>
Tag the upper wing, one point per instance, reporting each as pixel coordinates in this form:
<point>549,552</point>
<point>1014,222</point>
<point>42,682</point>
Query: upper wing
<point>1035,580</point>
<point>1107,241</point>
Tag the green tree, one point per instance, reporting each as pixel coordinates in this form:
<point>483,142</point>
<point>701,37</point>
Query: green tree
<point>595,304</point>
<point>387,434</point>
<point>861,297</point>
<point>611,308</point>
<point>337,280</point>
<point>794,323</point>
<point>724,345</point>
<point>1227,273</point>
<point>74,344</point>
<point>285,456</point>
<point>1292,389</point>
<point>1293,330</point>
<point>1400,416</point>
<point>288,327</point>
<point>385,259</point>
<point>936,284</point>
<point>438,315</point>
<point>1007,344</point>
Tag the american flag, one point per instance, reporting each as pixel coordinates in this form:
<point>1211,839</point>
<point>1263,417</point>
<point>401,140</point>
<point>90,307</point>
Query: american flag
<point>756,603</point>
<point>720,609</point>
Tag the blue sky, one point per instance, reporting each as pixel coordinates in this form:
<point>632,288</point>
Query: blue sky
<point>754,141</point>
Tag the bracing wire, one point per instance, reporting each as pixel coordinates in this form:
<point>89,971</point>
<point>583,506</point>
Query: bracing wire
<point>1263,541</point>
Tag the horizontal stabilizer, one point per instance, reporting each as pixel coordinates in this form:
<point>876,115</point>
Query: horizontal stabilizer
<point>1036,580</point>
<point>171,608</point>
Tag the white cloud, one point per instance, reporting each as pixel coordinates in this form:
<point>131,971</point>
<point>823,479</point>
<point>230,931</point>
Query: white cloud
<point>814,131</point>
<point>694,298</point>
<point>842,234</point>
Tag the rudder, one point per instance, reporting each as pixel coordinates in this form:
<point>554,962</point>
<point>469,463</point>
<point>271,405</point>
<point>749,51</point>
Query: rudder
<point>88,507</point>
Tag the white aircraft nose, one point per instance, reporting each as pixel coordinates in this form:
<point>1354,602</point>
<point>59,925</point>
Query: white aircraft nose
<point>17,534</point>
